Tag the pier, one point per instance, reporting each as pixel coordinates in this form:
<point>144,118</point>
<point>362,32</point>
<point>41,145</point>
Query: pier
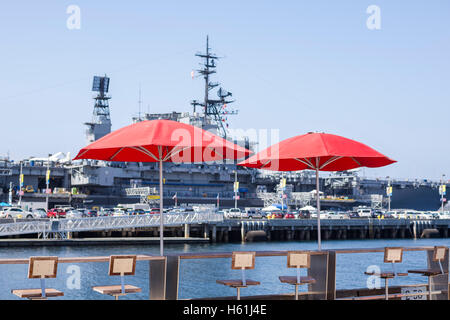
<point>211,227</point>
<point>306,229</point>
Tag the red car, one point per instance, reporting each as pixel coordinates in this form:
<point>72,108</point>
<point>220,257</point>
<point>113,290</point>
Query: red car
<point>289,216</point>
<point>56,213</point>
<point>154,211</point>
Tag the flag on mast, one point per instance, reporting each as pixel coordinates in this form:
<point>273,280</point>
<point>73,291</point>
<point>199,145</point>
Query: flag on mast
<point>175,198</point>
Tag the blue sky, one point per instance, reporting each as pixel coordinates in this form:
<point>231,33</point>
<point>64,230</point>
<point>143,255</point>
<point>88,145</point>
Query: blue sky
<point>297,66</point>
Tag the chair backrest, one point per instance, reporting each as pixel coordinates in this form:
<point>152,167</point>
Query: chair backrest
<point>42,267</point>
<point>243,260</point>
<point>298,259</point>
<point>124,265</point>
<point>439,253</point>
<point>393,254</point>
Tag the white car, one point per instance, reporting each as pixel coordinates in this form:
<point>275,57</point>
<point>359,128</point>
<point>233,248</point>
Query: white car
<point>323,215</point>
<point>414,214</point>
<point>234,213</point>
<point>14,213</point>
<point>364,212</point>
<point>74,214</point>
<point>40,213</point>
<point>399,214</point>
<point>119,212</point>
<point>336,215</point>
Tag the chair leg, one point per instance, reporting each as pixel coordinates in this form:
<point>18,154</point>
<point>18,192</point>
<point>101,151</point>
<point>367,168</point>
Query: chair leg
<point>386,288</point>
<point>430,297</point>
<point>238,293</point>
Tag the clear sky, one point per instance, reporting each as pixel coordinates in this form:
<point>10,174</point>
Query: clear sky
<point>297,66</point>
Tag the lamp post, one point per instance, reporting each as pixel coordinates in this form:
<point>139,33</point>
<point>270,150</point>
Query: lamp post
<point>389,193</point>
<point>47,182</point>
<point>21,179</point>
<point>10,193</point>
<point>236,187</point>
<point>442,190</point>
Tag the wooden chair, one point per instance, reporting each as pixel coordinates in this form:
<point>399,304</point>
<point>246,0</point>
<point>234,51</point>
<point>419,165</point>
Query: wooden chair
<point>120,266</point>
<point>298,260</point>
<point>241,261</point>
<point>438,256</point>
<point>40,268</point>
<point>391,255</point>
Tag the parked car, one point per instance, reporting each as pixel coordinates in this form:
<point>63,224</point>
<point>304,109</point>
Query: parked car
<point>414,214</point>
<point>388,215</point>
<point>323,215</point>
<point>118,212</point>
<point>91,213</point>
<point>398,214</point>
<point>139,211</point>
<point>377,214</point>
<point>275,215</point>
<point>353,215</point>
<point>304,214</point>
<point>154,211</point>
<point>289,216</point>
<point>74,214</point>
<point>235,213</point>
<point>39,213</point>
<point>336,215</point>
<point>14,213</point>
<point>364,212</point>
<point>104,212</point>
<point>56,213</point>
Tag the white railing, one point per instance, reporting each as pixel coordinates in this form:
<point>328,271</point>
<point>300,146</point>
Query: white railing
<point>107,223</point>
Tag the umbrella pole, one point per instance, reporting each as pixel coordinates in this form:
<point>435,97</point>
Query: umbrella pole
<point>318,210</point>
<point>161,209</point>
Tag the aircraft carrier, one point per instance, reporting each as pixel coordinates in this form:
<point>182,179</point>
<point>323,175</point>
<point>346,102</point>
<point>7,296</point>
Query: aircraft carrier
<point>90,183</point>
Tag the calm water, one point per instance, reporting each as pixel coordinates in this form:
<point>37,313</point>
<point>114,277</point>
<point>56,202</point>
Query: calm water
<point>198,277</point>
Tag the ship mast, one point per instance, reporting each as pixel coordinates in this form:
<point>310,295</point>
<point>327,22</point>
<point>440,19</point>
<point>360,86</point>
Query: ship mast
<point>101,119</point>
<point>214,110</point>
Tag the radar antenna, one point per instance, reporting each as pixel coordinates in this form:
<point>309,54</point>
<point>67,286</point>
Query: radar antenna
<point>215,110</point>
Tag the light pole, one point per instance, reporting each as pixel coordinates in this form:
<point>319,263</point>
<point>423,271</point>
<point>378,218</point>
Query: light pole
<point>10,193</point>
<point>236,187</point>
<point>47,178</point>
<point>389,193</point>
<point>443,192</point>
<point>283,186</point>
<point>21,178</point>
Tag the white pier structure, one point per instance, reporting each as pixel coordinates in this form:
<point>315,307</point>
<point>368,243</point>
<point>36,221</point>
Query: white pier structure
<point>59,228</point>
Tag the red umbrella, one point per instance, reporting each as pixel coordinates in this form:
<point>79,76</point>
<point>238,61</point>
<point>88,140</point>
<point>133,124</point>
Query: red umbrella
<point>162,141</point>
<point>319,152</point>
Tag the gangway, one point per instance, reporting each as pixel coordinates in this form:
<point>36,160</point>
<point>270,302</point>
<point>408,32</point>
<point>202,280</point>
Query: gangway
<point>59,228</point>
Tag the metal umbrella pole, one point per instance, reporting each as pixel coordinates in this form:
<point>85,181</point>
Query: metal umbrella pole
<point>318,210</point>
<point>161,209</point>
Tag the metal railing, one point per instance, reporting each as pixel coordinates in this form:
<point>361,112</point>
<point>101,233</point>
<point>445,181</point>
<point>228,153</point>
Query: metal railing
<point>62,226</point>
<point>164,276</point>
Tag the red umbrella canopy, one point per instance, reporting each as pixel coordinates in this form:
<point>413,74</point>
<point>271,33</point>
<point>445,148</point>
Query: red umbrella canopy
<point>162,140</point>
<point>322,151</point>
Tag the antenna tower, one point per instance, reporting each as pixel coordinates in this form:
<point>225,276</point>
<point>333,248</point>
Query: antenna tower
<point>215,110</point>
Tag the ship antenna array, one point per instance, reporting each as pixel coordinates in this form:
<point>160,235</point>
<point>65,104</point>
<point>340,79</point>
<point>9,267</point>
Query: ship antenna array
<point>101,107</point>
<point>214,109</point>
